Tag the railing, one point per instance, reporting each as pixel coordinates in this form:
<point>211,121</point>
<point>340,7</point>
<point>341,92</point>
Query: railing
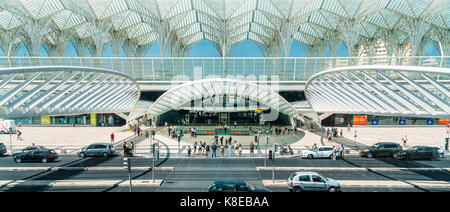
<point>248,68</point>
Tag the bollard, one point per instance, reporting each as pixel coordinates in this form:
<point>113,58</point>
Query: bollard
<point>446,144</point>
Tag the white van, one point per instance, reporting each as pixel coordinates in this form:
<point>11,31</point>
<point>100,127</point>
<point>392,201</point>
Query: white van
<point>5,125</point>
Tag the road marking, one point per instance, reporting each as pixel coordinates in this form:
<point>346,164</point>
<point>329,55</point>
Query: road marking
<point>260,168</point>
<point>373,183</point>
<point>78,183</point>
<point>102,168</point>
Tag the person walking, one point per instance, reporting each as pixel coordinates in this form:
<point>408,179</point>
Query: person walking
<point>147,136</point>
<point>240,150</point>
<point>404,139</point>
<point>342,131</point>
<point>230,150</point>
<point>214,148</point>
<point>334,152</point>
<point>222,150</point>
<point>132,147</point>
<point>19,134</point>
<point>252,148</point>
<point>207,149</point>
<point>189,151</point>
<point>342,151</point>
<point>125,148</point>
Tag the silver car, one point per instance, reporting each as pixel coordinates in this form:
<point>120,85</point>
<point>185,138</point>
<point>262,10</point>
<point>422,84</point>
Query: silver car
<point>311,181</point>
<point>97,149</point>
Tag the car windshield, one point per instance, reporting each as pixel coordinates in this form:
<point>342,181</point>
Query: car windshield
<point>251,187</point>
<point>375,145</point>
<point>414,148</point>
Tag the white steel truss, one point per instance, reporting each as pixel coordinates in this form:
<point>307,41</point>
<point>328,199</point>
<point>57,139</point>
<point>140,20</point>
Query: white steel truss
<point>381,90</point>
<point>64,90</point>
<point>179,24</point>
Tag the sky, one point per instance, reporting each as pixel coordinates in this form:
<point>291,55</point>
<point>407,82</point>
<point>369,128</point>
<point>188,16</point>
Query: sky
<point>205,48</point>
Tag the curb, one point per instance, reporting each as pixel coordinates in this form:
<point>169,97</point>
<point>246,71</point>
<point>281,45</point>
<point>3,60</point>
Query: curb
<point>372,184</point>
<point>83,168</point>
<point>78,183</point>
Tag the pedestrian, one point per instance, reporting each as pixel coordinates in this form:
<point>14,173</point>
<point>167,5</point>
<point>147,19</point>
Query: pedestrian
<point>132,147</point>
<point>240,150</point>
<point>230,150</point>
<point>19,133</point>
<point>125,148</point>
<point>334,152</point>
<point>214,148</point>
<point>189,151</point>
<point>314,147</point>
<point>235,124</point>
<point>138,130</point>
<point>153,134</point>
<point>207,150</point>
<point>338,152</point>
<point>195,148</point>
<point>342,132</point>
<point>348,127</point>
<point>235,147</point>
<point>221,140</point>
<point>342,151</point>
<point>112,138</point>
<point>222,150</point>
<point>404,139</point>
<point>252,148</point>
<point>147,136</point>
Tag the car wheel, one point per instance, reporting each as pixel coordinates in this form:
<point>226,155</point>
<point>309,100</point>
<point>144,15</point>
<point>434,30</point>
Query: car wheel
<point>18,160</point>
<point>44,160</point>
<point>105,154</point>
<point>310,156</point>
<point>369,155</point>
<point>297,189</point>
<point>82,155</point>
<point>332,189</point>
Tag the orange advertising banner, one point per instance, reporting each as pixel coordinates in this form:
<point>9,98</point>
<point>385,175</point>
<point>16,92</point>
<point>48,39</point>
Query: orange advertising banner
<point>359,120</point>
<point>443,121</point>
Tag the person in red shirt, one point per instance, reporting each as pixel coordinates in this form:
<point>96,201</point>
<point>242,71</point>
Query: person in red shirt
<point>112,138</point>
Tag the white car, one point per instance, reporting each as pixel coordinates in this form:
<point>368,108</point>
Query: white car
<point>319,152</point>
<point>311,181</point>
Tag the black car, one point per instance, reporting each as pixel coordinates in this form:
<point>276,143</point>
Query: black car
<point>42,155</point>
<point>233,186</point>
<point>418,152</point>
<point>34,147</point>
<point>2,149</point>
<point>382,149</point>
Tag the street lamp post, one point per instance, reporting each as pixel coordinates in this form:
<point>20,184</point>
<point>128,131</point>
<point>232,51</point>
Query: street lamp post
<point>265,154</point>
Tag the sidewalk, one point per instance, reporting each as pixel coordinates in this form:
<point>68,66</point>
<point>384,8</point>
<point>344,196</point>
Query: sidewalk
<point>373,183</point>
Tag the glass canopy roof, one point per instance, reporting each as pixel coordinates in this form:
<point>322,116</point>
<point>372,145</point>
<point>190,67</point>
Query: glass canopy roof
<point>180,23</point>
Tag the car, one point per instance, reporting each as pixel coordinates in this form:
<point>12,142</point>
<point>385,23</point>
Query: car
<point>382,149</point>
<point>2,149</point>
<point>417,152</point>
<point>319,152</point>
<point>233,186</point>
<point>42,155</point>
<point>311,181</point>
<point>97,149</point>
<point>440,150</point>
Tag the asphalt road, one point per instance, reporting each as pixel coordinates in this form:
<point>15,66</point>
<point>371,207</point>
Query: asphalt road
<point>196,174</point>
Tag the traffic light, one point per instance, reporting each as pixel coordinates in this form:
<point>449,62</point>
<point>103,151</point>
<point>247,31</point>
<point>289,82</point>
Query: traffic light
<point>127,164</point>
<point>270,155</point>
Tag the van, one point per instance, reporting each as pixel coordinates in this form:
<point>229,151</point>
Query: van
<point>6,125</point>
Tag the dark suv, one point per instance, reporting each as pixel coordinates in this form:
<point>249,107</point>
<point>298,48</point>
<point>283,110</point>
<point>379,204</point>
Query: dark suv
<point>383,149</point>
<point>418,152</point>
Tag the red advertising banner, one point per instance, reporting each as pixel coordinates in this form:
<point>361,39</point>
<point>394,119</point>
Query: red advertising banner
<point>236,132</point>
<point>443,121</point>
<point>209,132</point>
<point>359,120</point>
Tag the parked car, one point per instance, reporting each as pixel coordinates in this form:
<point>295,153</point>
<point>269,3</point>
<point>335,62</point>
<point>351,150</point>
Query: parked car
<point>440,151</point>
<point>42,155</point>
<point>382,149</point>
<point>311,181</point>
<point>319,152</point>
<point>418,152</point>
<point>97,149</point>
<point>2,148</point>
<point>233,186</point>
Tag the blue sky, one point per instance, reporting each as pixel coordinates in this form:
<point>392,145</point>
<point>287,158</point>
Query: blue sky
<point>205,48</point>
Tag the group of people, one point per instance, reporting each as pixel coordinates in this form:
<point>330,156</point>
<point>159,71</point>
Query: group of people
<point>128,150</point>
<point>333,132</point>
<point>230,148</point>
